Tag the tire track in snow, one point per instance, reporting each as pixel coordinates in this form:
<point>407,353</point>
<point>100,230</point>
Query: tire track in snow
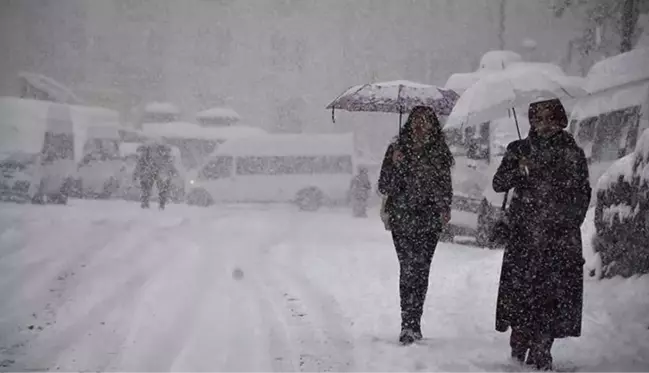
<point>310,311</point>
<point>43,294</point>
<point>316,313</point>
<point>188,289</point>
<point>53,347</point>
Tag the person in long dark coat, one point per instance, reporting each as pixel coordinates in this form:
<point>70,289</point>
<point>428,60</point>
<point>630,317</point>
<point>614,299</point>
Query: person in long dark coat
<point>541,283</point>
<point>416,178</point>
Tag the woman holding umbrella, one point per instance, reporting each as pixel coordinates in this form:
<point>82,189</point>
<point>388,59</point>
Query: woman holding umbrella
<point>416,178</point>
<point>541,283</point>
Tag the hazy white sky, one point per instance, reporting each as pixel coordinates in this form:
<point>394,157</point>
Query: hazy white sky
<point>278,62</point>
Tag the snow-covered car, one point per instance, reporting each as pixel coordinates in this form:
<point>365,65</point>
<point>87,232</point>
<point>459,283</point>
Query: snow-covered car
<point>98,173</point>
<point>44,142</point>
<point>607,122</point>
<point>622,214</point>
<point>130,190</point>
<point>477,156</point>
<point>17,175</point>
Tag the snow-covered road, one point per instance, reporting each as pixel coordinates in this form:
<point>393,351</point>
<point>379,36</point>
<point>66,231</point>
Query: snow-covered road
<point>107,286</point>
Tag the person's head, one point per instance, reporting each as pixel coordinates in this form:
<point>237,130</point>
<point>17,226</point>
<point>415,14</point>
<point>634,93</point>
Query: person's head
<point>547,117</point>
<point>423,128</point>
<point>422,125</point>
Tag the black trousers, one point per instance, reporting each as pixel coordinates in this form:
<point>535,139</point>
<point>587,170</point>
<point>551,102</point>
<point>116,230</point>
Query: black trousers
<point>415,251</point>
<point>146,184</point>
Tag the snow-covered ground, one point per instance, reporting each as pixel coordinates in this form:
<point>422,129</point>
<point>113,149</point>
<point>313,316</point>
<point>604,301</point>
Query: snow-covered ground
<point>102,285</point>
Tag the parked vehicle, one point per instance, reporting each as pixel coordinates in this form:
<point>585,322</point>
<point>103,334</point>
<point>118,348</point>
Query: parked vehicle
<point>41,145</point>
<point>310,170</point>
<point>196,142</point>
<point>606,123</point>
<point>98,172</point>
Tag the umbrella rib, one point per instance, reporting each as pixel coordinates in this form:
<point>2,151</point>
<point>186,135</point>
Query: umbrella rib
<point>340,95</point>
<point>566,92</point>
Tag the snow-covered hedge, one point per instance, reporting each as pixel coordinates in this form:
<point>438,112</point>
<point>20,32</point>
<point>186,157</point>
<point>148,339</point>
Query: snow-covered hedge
<point>622,214</point>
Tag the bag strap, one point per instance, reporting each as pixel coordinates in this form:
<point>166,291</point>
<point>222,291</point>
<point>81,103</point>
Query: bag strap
<point>504,206</point>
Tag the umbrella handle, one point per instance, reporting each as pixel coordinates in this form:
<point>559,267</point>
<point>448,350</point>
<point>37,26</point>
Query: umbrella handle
<point>518,129</point>
<point>333,116</point>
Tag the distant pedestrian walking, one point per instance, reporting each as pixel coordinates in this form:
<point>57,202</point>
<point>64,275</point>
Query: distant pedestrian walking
<point>154,167</point>
<point>360,192</point>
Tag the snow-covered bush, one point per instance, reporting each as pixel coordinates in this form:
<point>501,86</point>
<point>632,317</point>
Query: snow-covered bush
<point>622,214</point>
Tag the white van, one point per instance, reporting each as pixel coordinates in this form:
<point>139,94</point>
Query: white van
<point>41,143</point>
<point>309,169</point>
<point>606,124</point>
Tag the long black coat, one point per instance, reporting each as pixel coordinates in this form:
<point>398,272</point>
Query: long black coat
<point>418,187</point>
<point>541,282</point>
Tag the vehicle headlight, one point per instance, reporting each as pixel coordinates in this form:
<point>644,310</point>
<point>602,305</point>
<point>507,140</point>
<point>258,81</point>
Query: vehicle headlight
<point>191,182</point>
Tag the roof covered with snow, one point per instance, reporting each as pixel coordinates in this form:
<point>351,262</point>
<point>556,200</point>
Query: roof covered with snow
<point>618,70</point>
<point>161,108</point>
<point>189,130</point>
<point>54,89</point>
<point>218,112</point>
<point>611,100</point>
<point>290,144</point>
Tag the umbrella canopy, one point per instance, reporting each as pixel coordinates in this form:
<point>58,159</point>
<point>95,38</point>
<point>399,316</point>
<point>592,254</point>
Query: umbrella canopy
<point>399,96</point>
<point>494,94</point>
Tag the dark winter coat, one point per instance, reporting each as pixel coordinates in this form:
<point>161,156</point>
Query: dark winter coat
<point>541,282</point>
<point>418,188</point>
<point>154,162</point>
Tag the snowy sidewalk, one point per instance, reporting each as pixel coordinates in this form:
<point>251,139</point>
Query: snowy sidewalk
<point>107,286</point>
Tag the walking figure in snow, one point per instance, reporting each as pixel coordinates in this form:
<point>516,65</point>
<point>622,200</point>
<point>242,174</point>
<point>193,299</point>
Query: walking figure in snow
<point>541,285</point>
<point>360,192</point>
<point>416,178</point>
<point>154,166</point>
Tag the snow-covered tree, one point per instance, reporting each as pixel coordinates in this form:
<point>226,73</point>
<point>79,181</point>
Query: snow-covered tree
<point>609,26</point>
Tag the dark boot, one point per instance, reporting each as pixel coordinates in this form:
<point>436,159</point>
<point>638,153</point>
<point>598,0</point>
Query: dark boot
<point>145,190</point>
<point>407,336</point>
<point>417,331</point>
<point>540,356</point>
<point>519,341</point>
